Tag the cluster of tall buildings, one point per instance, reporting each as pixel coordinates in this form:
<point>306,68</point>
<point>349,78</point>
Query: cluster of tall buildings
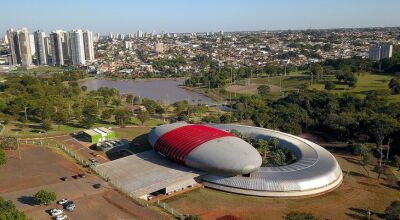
<point>379,52</point>
<point>57,49</point>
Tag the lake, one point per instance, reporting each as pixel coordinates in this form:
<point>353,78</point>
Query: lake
<point>166,91</point>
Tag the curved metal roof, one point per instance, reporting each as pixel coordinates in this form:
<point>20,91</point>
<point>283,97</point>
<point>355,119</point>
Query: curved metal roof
<point>315,169</point>
<point>205,148</point>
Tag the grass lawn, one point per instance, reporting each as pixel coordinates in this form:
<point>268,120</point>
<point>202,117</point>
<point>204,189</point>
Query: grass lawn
<point>367,82</point>
<point>396,172</point>
<point>138,136</point>
<point>357,193</point>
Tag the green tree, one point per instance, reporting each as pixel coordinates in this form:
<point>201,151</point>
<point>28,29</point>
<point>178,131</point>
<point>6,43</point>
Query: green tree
<point>143,116</point>
<point>44,197</point>
<point>8,211</point>
<point>392,212</point>
<point>397,162</point>
<point>394,85</point>
<point>46,124</point>
<point>379,127</point>
<point>8,143</point>
<point>295,215</point>
<point>129,99</point>
<point>278,157</point>
<point>122,116</point>
<point>263,90</point>
<point>317,70</point>
<point>106,114</point>
<point>181,106</point>
<point>329,85</point>
<point>193,217</point>
<point>3,158</point>
<point>60,117</point>
<point>263,148</point>
<point>84,88</point>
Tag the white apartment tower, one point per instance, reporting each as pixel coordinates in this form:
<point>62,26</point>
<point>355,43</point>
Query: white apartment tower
<point>379,52</point>
<point>77,47</point>
<point>25,47</point>
<point>88,44</point>
<point>40,48</point>
<point>57,56</point>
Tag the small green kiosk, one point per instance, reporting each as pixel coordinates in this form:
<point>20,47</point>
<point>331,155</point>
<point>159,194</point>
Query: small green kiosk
<point>97,135</point>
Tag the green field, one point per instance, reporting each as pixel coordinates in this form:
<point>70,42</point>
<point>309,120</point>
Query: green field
<point>366,82</point>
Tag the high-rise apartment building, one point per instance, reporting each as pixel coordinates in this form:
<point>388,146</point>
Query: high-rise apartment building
<point>88,45</point>
<point>25,49</point>
<point>13,42</point>
<point>40,48</point>
<point>57,55</point>
<point>386,51</point>
<point>77,47</point>
<point>379,52</point>
<point>32,44</point>
<point>66,45</point>
<point>47,47</point>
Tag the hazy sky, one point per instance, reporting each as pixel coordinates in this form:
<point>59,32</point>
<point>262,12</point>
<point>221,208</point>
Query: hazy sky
<point>126,16</point>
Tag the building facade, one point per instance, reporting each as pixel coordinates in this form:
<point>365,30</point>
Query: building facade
<point>40,48</point>
<point>57,56</point>
<point>379,52</point>
<point>25,47</point>
<point>77,47</point>
<point>88,44</point>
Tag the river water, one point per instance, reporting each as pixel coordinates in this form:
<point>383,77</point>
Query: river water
<point>166,91</point>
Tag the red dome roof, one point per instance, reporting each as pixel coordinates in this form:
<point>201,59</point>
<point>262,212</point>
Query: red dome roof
<point>178,143</point>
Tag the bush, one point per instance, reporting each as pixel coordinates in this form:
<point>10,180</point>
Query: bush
<point>392,212</point>
<point>330,85</point>
<point>45,197</point>
<point>9,211</point>
<point>3,158</point>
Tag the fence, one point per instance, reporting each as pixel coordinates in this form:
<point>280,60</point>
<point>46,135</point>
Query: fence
<point>115,184</point>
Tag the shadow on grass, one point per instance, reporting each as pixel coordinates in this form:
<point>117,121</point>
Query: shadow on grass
<point>391,186</point>
<point>357,174</point>
<point>28,200</point>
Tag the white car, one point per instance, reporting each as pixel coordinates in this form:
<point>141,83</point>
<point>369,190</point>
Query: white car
<point>62,201</point>
<point>70,207</point>
<point>56,212</point>
<point>61,217</point>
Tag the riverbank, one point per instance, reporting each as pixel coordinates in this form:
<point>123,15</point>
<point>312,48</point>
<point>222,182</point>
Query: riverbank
<point>166,91</point>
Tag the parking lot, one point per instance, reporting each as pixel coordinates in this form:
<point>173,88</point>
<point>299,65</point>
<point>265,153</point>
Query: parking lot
<point>41,168</point>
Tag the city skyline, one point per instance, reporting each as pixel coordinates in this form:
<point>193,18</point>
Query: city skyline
<point>178,16</point>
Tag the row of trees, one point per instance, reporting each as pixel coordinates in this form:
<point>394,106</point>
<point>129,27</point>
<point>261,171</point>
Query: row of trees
<point>345,117</point>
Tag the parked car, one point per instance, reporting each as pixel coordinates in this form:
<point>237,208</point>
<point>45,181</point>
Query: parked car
<point>70,207</point>
<point>64,178</point>
<point>76,176</point>
<point>97,186</point>
<point>93,160</point>
<point>56,212</point>
<point>61,217</point>
<point>62,201</point>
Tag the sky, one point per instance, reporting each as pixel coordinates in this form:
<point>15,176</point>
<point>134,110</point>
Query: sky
<point>129,16</point>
